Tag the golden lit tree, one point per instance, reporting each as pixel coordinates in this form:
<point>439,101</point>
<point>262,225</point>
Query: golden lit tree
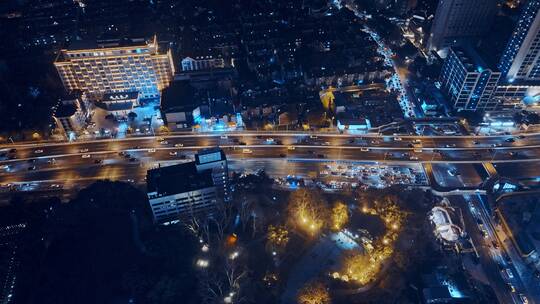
<point>307,210</point>
<point>314,293</point>
<point>361,268</point>
<point>277,237</point>
<point>340,216</point>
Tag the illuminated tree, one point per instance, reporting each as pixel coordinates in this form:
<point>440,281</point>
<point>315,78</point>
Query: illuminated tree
<point>361,268</point>
<point>307,210</point>
<point>314,293</point>
<point>277,237</point>
<point>340,216</point>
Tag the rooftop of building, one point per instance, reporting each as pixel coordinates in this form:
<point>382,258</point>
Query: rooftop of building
<point>178,96</point>
<point>178,178</point>
<point>106,42</point>
<point>209,155</point>
<point>472,59</point>
<point>65,110</point>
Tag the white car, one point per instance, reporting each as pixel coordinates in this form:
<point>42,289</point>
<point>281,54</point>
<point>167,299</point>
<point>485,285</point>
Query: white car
<point>86,156</point>
<point>83,150</point>
<point>291,148</point>
<point>247,151</point>
<point>270,140</point>
<point>173,153</point>
<point>364,149</point>
<point>398,138</point>
<point>38,151</point>
<point>224,137</point>
<point>523,299</point>
<point>151,150</point>
<point>179,145</point>
<point>164,142</point>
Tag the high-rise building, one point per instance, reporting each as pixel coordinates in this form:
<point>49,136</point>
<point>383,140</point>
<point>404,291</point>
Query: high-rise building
<point>456,20</point>
<point>118,65</point>
<point>521,60</point>
<point>468,81</point>
<point>214,159</point>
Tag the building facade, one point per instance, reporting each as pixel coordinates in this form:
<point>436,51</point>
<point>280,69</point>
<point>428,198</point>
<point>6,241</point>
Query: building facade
<point>468,81</point>
<point>116,66</point>
<point>119,104</point>
<point>456,20</point>
<point>178,192</point>
<point>520,60</point>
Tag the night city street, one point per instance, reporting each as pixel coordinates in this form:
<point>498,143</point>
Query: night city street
<point>263,151</point>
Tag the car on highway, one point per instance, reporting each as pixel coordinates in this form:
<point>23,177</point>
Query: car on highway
<point>56,186</point>
<point>224,137</point>
<point>270,140</point>
<point>38,151</point>
<point>151,150</point>
<point>521,136</point>
<point>247,151</point>
<point>291,148</point>
<point>413,157</point>
<point>453,172</point>
<point>523,299</point>
<point>32,168</point>
<point>179,145</point>
<point>132,159</point>
<point>282,155</point>
<point>507,272</point>
<point>98,161</point>
<point>86,156</point>
<point>511,287</point>
<point>83,150</point>
<point>164,142</point>
<point>398,138</point>
<point>313,136</point>
<point>450,145</point>
<point>510,140</point>
<point>364,149</point>
<point>173,153</point>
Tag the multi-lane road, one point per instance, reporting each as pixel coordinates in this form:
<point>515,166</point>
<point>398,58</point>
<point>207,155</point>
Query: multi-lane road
<point>77,163</point>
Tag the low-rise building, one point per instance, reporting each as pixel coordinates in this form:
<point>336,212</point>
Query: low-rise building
<point>202,63</point>
<point>72,113</point>
<point>180,191</point>
<point>119,104</point>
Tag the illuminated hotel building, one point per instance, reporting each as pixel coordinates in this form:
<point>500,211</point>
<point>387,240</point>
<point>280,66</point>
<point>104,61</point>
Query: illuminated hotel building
<point>117,65</point>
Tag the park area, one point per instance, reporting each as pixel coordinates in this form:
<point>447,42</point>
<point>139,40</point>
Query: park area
<point>303,245</point>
